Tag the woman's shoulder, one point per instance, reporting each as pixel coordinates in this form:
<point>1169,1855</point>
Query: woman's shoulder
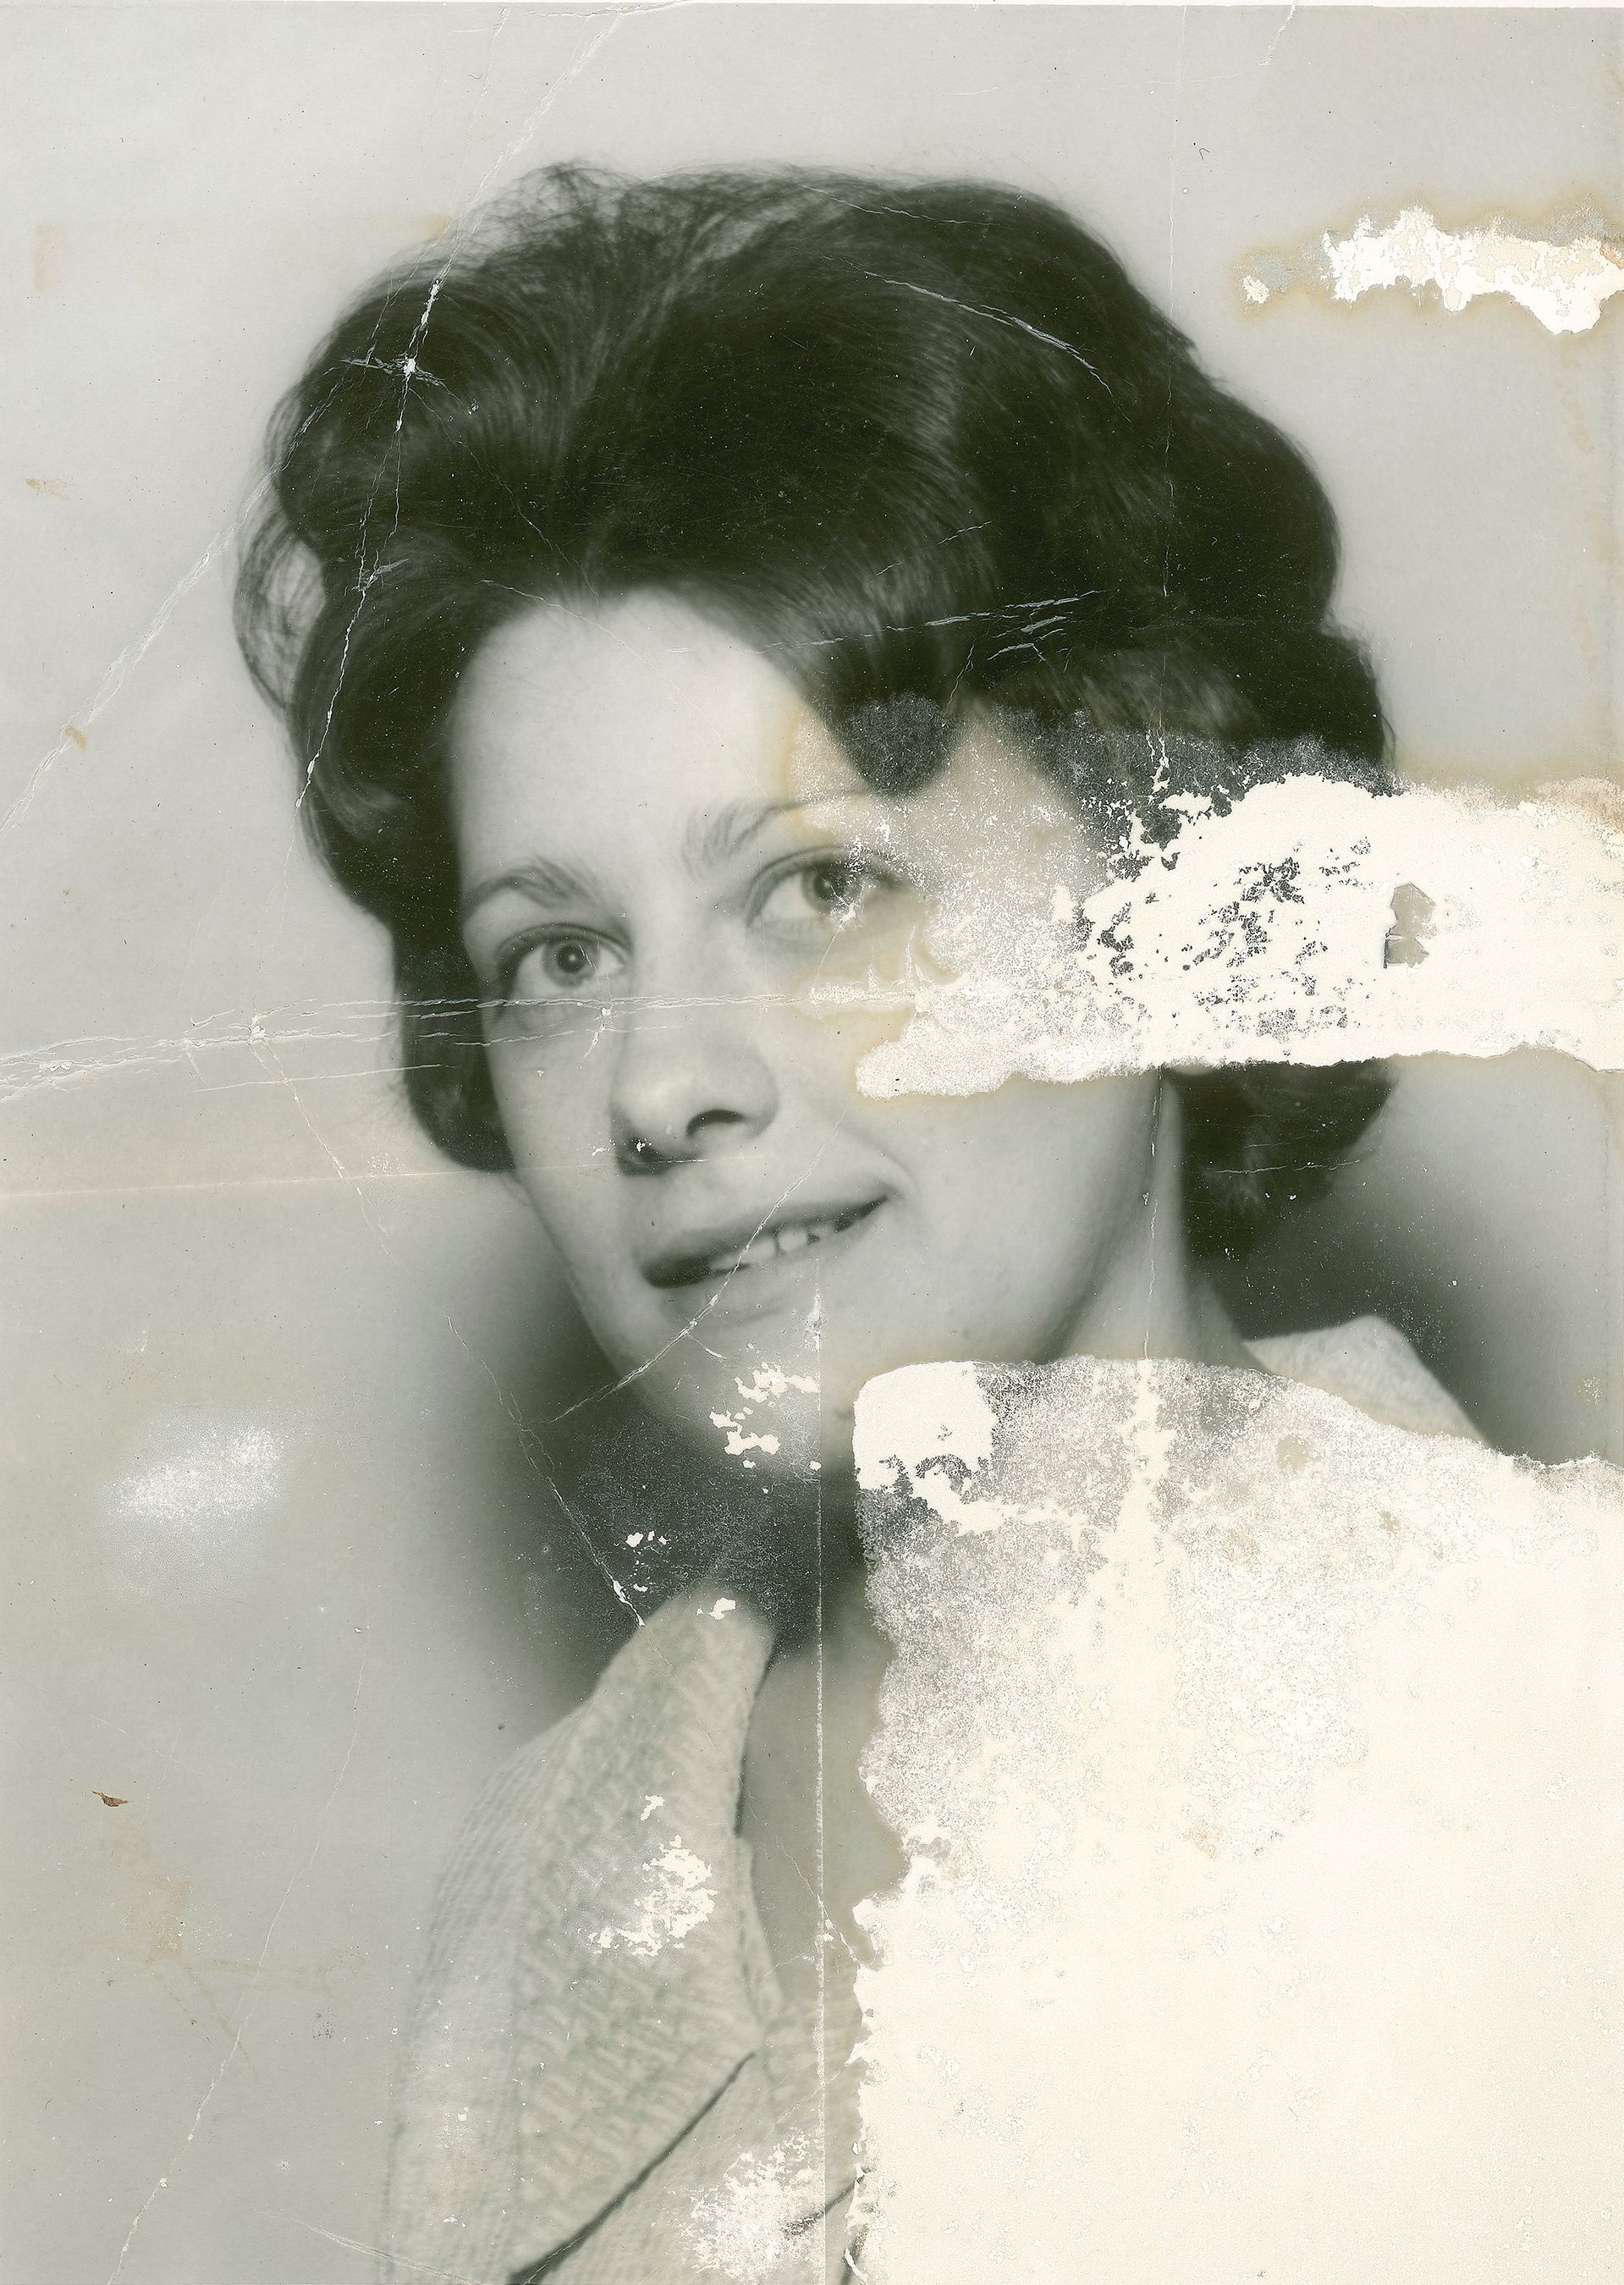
<point>516,1803</point>
<point>676,1687</point>
<point>1371,1365</point>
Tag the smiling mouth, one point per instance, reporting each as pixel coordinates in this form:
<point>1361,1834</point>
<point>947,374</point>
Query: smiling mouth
<point>785,1239</point>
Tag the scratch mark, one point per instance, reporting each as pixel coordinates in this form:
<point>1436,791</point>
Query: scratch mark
<point>131,657</point>
<point>408,366</point>
<point>529,1443</point>
<point>996,317</point>
<point>299,1873</point>
<point>603,1395</point>
<point>1279,35</point>
<point>380,2252</point>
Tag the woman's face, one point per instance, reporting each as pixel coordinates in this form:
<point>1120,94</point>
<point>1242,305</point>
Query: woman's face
<point>662,853</point>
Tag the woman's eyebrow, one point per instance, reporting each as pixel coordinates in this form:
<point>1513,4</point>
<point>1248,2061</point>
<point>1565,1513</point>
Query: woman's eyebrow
<point>709,840</point>
<point>715,838</point>
<point>542,881</point>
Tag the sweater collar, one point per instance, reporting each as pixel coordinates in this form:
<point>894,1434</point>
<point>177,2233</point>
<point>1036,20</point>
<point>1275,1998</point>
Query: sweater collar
<point>635,2000</point>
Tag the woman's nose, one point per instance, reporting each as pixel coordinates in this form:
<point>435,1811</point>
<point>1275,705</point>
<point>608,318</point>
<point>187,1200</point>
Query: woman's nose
<point>688,1082</point>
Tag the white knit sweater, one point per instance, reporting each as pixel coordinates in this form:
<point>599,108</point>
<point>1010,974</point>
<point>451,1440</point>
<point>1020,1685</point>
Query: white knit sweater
<point>588,2070</point>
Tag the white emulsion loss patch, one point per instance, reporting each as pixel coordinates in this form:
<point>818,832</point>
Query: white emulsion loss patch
<point>751,2225</point>
<point>1257,1767</point>
<point>1312,922</point>
<point>1562,279</point>
<point>768,1386</point>
<point>676,1897</point>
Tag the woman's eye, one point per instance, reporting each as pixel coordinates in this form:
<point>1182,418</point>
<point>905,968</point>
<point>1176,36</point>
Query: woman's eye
<point>837,890</point>
<point>571,962</point>
<point>836,887</point>
<point>554,967</point>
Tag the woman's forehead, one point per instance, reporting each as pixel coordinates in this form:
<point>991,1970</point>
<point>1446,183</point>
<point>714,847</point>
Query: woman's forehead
<point>592,731</point>
<point>642,709</point>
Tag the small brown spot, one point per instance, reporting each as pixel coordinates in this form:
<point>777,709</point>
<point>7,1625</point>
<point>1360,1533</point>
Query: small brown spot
<point>1239,1546</point>
<point>111,1800</point>
<point>51,487</point>
<point>49,243</point>
<point>77,736</point>
<point>1205,1837</point>
<point>1292,1454</point>
<point>1391,1523</point>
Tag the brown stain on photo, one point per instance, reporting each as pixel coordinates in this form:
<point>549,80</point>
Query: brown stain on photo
<point>153,1936</point>
<point>155,1903</point>
<point>1570,785</point>
<point>49,238</point>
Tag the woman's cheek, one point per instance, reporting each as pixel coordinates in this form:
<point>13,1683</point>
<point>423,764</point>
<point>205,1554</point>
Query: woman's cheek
<point>837,1028</point>
<point>545,1101</point>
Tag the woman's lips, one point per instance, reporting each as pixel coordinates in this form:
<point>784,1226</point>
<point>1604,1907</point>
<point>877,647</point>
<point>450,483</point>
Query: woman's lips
<point>791,1245</point>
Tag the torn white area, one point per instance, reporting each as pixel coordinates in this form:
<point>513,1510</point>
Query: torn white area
<point>1313,922</point>
<point>770,1383</point>
<point>768,1386</point>
<point>1562,285</point>
<point>1562,279</point>
<point>738,1442</point>
<point>677,1896</point>
<point>1523,946</point>
<point>752,2224</point>
<point>1258,1768</point>
<point>940,1419</point>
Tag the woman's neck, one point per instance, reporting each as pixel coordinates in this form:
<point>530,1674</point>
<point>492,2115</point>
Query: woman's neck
<point>1152,1298</point>
<point>819,1846</point>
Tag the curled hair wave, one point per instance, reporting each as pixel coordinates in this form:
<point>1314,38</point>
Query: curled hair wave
<point>925,443</point>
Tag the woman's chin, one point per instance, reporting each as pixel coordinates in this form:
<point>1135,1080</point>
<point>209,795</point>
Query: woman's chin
<point>771,1416</point>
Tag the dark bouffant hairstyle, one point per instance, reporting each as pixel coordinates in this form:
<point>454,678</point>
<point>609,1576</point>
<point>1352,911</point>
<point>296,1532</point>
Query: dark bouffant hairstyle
<point>923,443</point>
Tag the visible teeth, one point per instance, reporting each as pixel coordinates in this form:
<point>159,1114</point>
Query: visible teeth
<point>792,1238</point>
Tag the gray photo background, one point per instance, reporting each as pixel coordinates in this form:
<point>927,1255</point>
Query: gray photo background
<point>287,1577</point>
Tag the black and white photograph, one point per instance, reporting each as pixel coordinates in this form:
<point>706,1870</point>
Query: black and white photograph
<point>812,1166</point>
